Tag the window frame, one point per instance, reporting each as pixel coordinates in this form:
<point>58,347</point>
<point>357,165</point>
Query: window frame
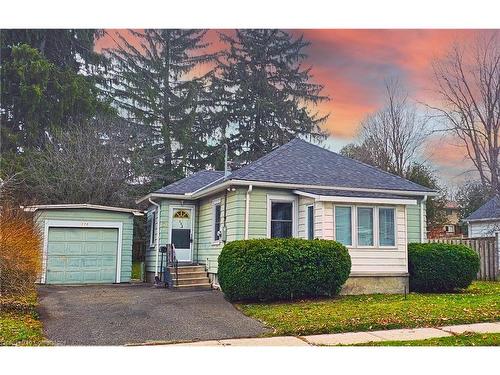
<point>308,221</point>
<point>215,203</point>
<point>394,209</point>
<point>374,228</point>
<point>152,229</point>
<point>282,199</point>
<point>353,224</point>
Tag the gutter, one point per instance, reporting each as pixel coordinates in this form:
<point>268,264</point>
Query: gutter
<point>247,210</point>
<point>157,234</point>
<point>422,219</point>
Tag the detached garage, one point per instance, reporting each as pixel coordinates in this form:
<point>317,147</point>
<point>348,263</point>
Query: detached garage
<point>85,244</point>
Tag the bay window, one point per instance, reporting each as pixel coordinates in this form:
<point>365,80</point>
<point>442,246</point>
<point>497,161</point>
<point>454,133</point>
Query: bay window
<point>343,225</point>
<point>387,227</point>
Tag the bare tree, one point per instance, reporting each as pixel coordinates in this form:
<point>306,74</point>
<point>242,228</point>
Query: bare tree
<point>88,164</point>
<point>391,137</point>
<point>468,84</point>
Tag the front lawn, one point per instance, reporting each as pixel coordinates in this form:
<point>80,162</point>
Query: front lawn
<point>465,339</point>
<point>479,303</point>
<point>19,324</point>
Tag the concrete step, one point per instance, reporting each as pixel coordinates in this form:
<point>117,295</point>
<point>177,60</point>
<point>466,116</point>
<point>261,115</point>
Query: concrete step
<point>204,286</point>
<point>189,275</point>
<point>198,280</point>
<point>182,269</point>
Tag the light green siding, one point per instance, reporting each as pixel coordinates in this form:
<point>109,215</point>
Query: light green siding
<point>97,215</point>
<point>150,249</point>
<point>414,221</point>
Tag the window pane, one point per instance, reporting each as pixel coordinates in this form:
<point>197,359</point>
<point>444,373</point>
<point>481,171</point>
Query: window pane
<point>343,229</point>
<point>365,226</point>
<point>217,215</point>
<point>310,222</point>
<point>281,229</point>
<point>281,211</point>
<point>386,227</point>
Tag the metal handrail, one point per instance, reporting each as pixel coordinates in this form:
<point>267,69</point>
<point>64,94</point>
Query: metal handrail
<point>172,261</point>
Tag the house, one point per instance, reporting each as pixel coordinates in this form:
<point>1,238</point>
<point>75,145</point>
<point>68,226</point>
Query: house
<point>85,243</point>
<point>451,228</point>
<point>297,190</point>
<point>485,221</point>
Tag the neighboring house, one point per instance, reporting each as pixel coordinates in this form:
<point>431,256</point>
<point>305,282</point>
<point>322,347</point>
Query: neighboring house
<point>485,221</point>
<point>452,226</point>
<point>298,190</point>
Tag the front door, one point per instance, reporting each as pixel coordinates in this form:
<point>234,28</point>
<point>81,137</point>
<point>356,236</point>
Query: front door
<point>181,233</point>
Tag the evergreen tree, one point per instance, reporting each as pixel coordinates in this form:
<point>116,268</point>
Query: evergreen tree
<point>154,84</point>
<point>263,94</point>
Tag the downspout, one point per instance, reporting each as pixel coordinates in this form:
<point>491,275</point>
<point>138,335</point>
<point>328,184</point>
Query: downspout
<point>422,219</point>
<point>157,234</point>
<point>247,210</point>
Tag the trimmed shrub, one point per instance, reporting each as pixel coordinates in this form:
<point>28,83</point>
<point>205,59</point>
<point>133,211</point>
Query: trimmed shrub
<point>440,267</point>
<point>278,269</point>
<point>20,249</point>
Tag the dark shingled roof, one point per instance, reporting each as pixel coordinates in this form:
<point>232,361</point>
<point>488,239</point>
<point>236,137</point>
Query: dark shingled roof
<point>489,210</point>
<point>192,183</point>
<point>300,162</point>
<point>357,194</point>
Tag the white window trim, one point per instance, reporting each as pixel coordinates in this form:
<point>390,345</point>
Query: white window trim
<point>308,221</point>
<point>353,223</point>
<point>152,228</point>
<point>288,199</point>
<point>374,228</point>
<point>81,224</point>
<point>216,202</point>
<point>394,210</point>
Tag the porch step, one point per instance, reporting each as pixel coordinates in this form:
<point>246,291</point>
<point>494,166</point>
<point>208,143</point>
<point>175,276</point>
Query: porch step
<point>190,277</point>
<point>204,286</point>
<point>183,269</point>
<point>197,280</point>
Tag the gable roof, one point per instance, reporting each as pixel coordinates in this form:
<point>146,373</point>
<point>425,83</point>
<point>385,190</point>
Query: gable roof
<point>192,183</point>
<point>489,210</point>
<point>301,162</point>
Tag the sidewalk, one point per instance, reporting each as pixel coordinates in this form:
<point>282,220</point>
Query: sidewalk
<point>355,337</point>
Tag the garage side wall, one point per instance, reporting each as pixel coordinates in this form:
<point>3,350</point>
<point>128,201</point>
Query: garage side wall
<point>97,215</point>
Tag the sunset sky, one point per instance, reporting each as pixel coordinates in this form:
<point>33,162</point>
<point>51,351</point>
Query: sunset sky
<point>352,66</point>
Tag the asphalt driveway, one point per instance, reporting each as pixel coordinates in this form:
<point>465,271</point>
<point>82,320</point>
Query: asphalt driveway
<point>132,314</point>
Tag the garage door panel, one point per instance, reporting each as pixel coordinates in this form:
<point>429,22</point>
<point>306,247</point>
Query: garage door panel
<point>82,255</point>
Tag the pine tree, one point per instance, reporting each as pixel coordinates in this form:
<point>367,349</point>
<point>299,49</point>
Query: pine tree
<point>264,95</point>
<point>155,85</point>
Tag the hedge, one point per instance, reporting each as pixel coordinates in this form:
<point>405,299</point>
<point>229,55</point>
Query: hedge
<point>282,269</point>
<point>440,267</point>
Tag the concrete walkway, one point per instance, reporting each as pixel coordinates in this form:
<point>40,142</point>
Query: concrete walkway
<point>355,337</point>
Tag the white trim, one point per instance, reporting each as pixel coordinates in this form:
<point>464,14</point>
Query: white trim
<point>482,220</point>
<point>81,224</point>
<point>336,198</point>
<point>216,202</point>
<point>308,221</point>
<point>80,206</point>
<point>374,227</point>
<point>170,218</point>
<point>283,198</point>
<point>422,220</point>
<point>395,216</point>
<point>152,228</point>
<point>157,235</point>
<point>247,211</point>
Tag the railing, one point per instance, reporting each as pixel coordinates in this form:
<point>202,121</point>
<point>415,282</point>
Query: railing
<point>487,248</point>
<point>172,262</point>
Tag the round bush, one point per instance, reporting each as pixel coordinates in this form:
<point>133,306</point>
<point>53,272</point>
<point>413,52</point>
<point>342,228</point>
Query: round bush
<point>440,267</point>
<point>276,269</point>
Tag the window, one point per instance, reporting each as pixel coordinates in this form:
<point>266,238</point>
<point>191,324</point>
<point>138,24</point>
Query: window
<point>386,229</point>
<point>310,222</point>
<point>281,219</point>
<point>343,225</point>
<point>365,226</point>
<point>216,221</point>
<point>152,228</point>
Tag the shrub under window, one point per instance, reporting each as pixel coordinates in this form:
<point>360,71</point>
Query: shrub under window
<point>439,267</point>
<point>282,269</point>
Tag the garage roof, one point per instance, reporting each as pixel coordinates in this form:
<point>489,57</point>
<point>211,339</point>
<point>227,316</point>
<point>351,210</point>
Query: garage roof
<point>87,206</point>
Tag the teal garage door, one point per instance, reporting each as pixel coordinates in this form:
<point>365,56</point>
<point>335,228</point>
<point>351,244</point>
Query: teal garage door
<point>81,255</point>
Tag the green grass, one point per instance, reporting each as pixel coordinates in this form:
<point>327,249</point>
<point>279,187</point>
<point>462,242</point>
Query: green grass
<point>479,303</point>
<point>19,323</point>
<point>465,339</point>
